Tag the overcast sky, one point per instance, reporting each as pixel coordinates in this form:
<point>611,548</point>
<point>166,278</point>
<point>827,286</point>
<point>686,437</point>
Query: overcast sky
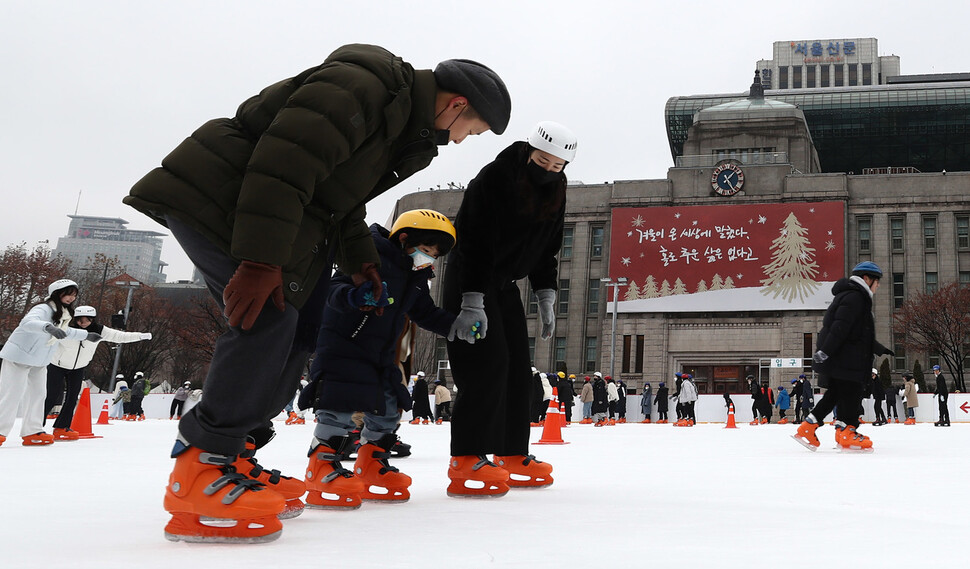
<point>95,93</point>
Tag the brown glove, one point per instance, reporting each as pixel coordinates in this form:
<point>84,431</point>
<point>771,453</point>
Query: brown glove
<point>247,291</point>
<point>368,272</point>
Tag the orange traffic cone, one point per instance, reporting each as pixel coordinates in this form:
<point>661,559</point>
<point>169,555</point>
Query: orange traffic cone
<point>730,421</point>
<point>103,417</point>
<point>552,429</point>
<point>82,416</point>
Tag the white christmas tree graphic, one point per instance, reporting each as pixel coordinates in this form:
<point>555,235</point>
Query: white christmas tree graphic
<point>649,288</point>
<point>728,283</point>
<point>702,286</point>
<point>791,272</point>
<point>632,291</point>
<point>717,283</point>
<point>665,288</point>
<point>679,287</point>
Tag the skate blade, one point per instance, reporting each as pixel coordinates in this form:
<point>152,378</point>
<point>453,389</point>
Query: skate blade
<point>223,539</point>
<point>805,443</point>
<point>855,450</point>
<point>457,489</point>
<point>390,497</point>
<point>291,511</point>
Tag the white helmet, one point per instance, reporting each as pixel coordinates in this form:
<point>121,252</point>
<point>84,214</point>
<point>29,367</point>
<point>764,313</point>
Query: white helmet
<point>420,374</point>
<point>88,311</point>
<point>60,284</point>
<point>555,139</point>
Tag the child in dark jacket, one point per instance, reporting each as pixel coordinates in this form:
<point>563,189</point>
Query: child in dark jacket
<point>355,368</point>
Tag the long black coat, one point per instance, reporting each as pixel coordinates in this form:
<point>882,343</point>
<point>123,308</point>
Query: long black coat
<point>600,404</point>
<point>419,397</point>
<point>848,334</point>
<point>566,393</point>
<point>661,399</point>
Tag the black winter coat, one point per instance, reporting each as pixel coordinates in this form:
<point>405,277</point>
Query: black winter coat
<point>600,405</point>
<point>941,389</point>
<point>355,357</point>
<point>566,393</point>
<point>420,399</point>
<point>848,334</point>
<point>661,399</point>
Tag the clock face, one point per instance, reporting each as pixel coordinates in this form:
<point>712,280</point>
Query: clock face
<point>727,179</point>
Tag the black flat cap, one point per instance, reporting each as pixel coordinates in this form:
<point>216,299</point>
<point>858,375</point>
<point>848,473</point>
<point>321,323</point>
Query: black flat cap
<point>483,88</point>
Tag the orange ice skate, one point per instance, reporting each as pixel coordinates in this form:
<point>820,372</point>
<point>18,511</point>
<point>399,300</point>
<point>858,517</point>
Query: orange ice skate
<point>525,471</point>
<point>375,472</point>
<point>476,477</point>
<point>330,485</point>
<point>292,489</point>
<point>38,439</point>
<point>806,435</point>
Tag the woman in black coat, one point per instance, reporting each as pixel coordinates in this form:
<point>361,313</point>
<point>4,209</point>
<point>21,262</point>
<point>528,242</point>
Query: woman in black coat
<point>662,402</point>
<point>420,404</point>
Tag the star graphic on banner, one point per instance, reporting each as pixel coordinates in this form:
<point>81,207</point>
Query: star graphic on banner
<point>830,232</point>
<point>751,221</point>
<point>825,274</point>
<point>629,234</point>
<point>811,210</point>
<point>762,219</point>
<point>694,222</point>
<point>740,276</point>
<point>677,215</point>
<point>642,255</point>
<point>625,261</point>
<point>638,221</point>
<point>829,245</point>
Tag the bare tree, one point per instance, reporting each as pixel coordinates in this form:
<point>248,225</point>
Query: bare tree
<point>938,323</point>
<point>24,276</point>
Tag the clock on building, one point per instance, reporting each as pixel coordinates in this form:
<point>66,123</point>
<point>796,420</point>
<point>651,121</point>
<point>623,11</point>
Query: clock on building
<point>727,179</point>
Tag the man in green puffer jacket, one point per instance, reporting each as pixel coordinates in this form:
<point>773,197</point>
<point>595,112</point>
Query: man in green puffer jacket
<point>264,203</point>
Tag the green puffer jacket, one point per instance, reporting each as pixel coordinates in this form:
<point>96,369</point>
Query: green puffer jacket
<point>286,180</point>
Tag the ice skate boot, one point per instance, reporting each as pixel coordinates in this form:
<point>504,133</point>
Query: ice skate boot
<point>645,421</point>
<point>910,421</point>
<point>806,435</point>
<point>600,423</point>
<point>212,503</point>
<point>141,417</point>
<point>764,420</point>
<point>66,435</point>
<point>292,489</point>
<point>400,449</point>
<point>38,439</point>
<point>425,422</point>
<point>476,477</point>
<point>783,421</point>
<point>755,422</point>
<point>849,440</point>
<point>415,421</point>
<point>330,485</point>
<point>3,439</point>
<point>376,473</point>
<point>291,418</point>
<point>681,423</point>
<point>525,471</point>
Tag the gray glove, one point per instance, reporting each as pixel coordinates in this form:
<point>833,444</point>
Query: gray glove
<point>547,314</point>
<point>471,323</point>
<point>55,331</point>
<point>820,357</point>
<point>93,337</point>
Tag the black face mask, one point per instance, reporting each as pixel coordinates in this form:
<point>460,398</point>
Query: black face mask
<point>442,136</point>
<point>539,175</point>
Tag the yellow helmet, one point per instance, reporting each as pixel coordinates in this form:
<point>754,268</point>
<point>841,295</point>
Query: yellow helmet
<point>572,376</point>
<point>561,375</point>
<point>428,219</point>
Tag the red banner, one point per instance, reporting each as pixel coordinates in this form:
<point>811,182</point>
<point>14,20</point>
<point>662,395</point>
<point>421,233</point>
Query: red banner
<point>783,248</point>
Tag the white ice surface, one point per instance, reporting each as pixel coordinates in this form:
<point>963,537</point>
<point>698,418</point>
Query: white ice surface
<point>626,496</point>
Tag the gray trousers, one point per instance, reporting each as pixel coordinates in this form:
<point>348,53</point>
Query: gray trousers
<point>252,374</point>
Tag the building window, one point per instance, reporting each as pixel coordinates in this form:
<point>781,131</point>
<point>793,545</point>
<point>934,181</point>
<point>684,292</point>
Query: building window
<point>596,242</point>
<point>896,233</point>
<point>963,232</point>
<point>591,344</point>
<point>932,284</point>
<point>533,307</point>
<point>865,234</point>
<point>867,74</point>
<point>839,81</point>
<point>563,296</point>
<point>810,79</point>
<point>783,77</point>
<point>532,350</point>
<point>440,350</point>
<point>593,297</point>
<point>964,278</point>
<point>899,361</point>
<point>824,77</point>
<point>796,77</point>
<point>929,233</point>
<point>638,360</point>
<point>567,243</point>
<point>560,353</point>
<point>625,362</point>
<point>899,290</point>
<point>934,360</point>
<point>808,349</point>
<point>853,75</point>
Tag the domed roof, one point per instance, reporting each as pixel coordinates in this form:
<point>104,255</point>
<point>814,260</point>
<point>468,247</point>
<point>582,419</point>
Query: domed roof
<point>754,106</point>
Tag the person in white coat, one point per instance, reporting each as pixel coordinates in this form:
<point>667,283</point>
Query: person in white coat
<point>612,396</point>
<point>118,408</point>
<point>71,358</point>
<point>28,351</point>
<point>688,398</point>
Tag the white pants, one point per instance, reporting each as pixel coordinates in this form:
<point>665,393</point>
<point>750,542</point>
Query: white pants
<point>22,383</point>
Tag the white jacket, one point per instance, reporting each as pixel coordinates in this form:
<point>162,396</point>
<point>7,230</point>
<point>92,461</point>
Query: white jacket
<point>74,354</point>
<point>688,392</point>
<point>546,387</point>
<point>30,345</point>
<point>611,392</point>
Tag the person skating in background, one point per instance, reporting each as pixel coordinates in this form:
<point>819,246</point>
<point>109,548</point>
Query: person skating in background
<point>675,396</point>
<point>545,382</point>
<point>263,204</point>
<point>601,404</point>
<point>621,401</point>
<point>910,397</point>
<point>941,393</point>
<point>420,402</point>
<point>687,398</point>
<point>728,403</point>
<point>782,402</point>
<point>511,219</point>
<point>179,399</point>
<point>767,401</point>
<point>566,396</point>
<point>71,359</point>
<point>878,395</point>
<point>355,366</point>
<point>124,398</point>
<point>662,402</point>
<point>612,396</point>
<point>795,397</point>
<point>586,398</point>
<point>26,355</point>
<point>442,402</point>
<point>843,358</point>
<point>139,389</point>
<point>892,394</point>
<point>646,403</point>
<point>118,408</point>
<point>756,404</point>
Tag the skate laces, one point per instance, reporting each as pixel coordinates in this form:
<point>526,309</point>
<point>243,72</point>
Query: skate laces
<point>483,461</point>
<point>229,476</point>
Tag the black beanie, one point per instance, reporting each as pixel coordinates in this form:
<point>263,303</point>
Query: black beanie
<point>482,87</point>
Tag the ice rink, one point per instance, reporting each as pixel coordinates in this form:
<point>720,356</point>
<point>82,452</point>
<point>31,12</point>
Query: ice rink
<point>631,495</point>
